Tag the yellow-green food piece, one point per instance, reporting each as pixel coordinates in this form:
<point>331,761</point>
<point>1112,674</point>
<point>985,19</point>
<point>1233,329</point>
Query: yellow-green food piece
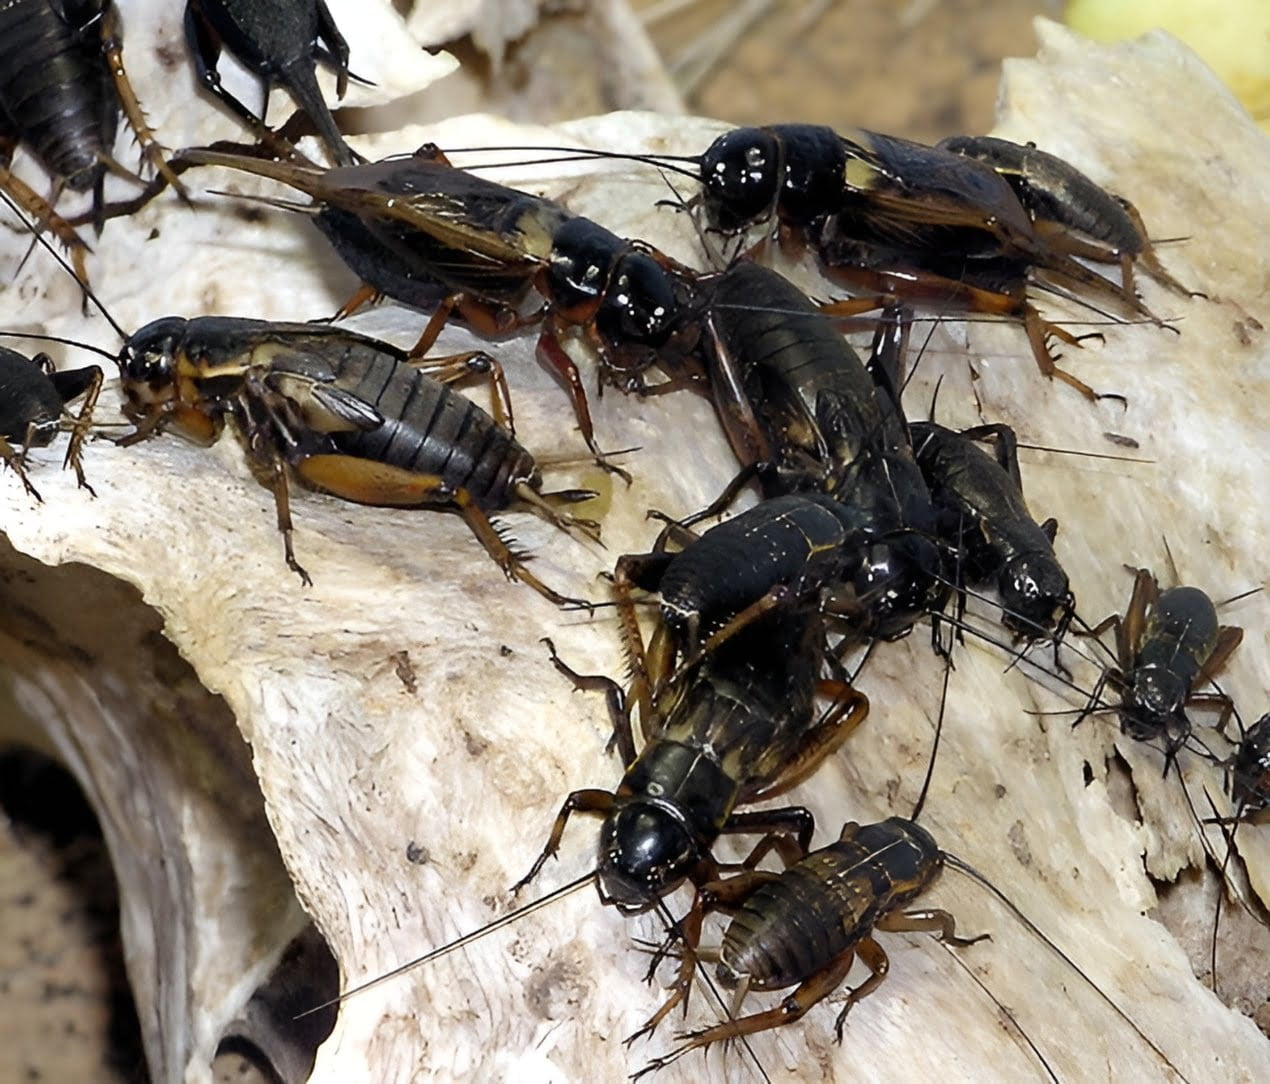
<point>1232,36</point>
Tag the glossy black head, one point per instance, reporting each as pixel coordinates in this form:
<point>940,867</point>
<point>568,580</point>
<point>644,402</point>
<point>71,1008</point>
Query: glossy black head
<point>900,580</point>
<point>1250,769</point>
<point>645,850</point>
<point>149,355</point>
<point>1033,590</point>
<point>1167,732</point>
<point>1154,705</point>
<point>642,304</point>
<point>741,177</point>
<point>147,362</point>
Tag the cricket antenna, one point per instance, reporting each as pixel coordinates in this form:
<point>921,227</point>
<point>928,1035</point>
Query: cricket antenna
<point>1239,597</point>
<point>987,637</point>
<point>1228,837</point>
<point>88,293</point>
<point>583,154</point>
<point>1083,454</point>
<point>58,339</point>
<point>1002,1009</point>
<point>939,729</point>
<point>673,928</point>
<point>680,204</point>
<point>458,943</point>
<point>294,206</point>
<point>968,870</point>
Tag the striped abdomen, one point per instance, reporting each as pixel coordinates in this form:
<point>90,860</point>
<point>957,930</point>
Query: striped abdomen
<point>790,928</point>
<point>430,429</point>
<point>53,89</point>
<point>1052,189</point>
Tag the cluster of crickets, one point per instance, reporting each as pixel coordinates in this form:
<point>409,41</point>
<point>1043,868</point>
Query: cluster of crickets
<point>868,523</point>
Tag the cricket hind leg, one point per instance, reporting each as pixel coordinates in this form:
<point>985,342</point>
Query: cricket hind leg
<point>368,482</point>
